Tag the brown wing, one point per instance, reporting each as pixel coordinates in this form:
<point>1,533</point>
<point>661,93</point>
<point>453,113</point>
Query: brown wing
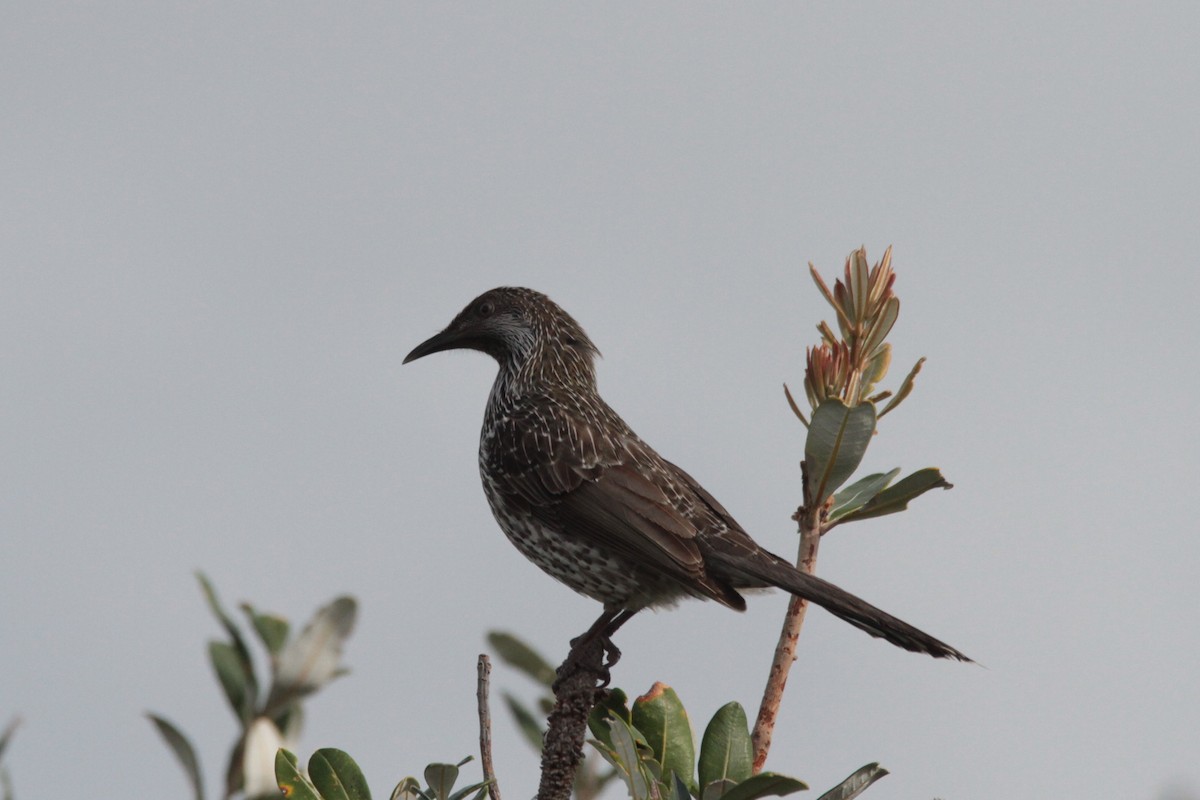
<point>732,541</point>
<point>614,492</point>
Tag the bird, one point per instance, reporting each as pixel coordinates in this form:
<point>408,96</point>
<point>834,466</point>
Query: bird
<point>593,505</point>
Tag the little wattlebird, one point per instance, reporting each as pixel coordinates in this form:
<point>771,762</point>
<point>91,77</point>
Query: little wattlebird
<point>585,499</point>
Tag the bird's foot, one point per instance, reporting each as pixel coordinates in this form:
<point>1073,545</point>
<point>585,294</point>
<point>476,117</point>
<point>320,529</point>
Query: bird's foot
<point>612,654</point>
<point>591,654</point>
<point>573,667</point>
<point>594,651</point>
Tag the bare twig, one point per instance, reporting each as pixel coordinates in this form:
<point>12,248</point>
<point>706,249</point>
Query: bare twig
<point>484,668</point>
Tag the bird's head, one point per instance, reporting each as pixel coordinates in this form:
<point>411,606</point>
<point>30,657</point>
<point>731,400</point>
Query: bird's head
<point>517,327</point>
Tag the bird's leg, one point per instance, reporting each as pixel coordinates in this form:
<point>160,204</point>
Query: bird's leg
<point>594,651</point>
<point>610,649</point>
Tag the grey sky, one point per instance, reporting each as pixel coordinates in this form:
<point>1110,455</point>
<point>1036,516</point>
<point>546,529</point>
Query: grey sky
<point>222,226</point>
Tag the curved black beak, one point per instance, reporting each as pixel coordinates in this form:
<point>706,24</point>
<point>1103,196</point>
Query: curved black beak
<point>446,340</point>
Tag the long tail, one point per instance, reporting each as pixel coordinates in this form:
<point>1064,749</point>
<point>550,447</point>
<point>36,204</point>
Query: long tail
<point>841,603</point>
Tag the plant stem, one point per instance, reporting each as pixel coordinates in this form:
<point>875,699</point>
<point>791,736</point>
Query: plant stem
<point>789,636</point>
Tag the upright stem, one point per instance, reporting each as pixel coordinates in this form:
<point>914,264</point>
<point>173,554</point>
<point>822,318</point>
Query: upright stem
<point>484,669</point>
<point>575,692</point>
<point>785,650</point>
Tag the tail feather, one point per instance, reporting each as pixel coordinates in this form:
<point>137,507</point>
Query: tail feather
<point>846,606</point>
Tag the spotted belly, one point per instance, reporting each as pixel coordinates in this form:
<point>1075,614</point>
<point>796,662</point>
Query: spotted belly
<point>590,570</point>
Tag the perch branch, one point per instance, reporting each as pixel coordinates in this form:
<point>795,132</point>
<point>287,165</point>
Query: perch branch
<point>580,685</point>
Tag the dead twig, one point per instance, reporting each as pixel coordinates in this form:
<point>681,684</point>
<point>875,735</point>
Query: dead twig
<point>484,668</point>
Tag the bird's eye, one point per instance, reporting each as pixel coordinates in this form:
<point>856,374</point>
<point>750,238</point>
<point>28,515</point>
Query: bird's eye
<point>486,308</point>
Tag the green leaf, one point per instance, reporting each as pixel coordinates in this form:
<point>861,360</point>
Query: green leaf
<point>874,372</point>
<point>6,737</point>
<point>313,658</point>
<point>615,704</point>
<point>857,494</point>
<point>441,778</point>
<point>725,750</point>
<point>234,778</point>
<point>678,789</point>
<point>336,776</point>
<point>837,440</point>
<point>854,785</point>
<point>860,278</point>
<point>627,760</point>
<point>764,784</point>
<point>882,326</point>
<point>529,725</point>
<point>174,738</point>
<point>292,782</point>
<point>290,721</point>
<point>896,498</point>
<point>479,788</point>
<point>9,730</point>
<point>588,784</point>
<point>235,680</point>
<point>272,629</point>
<point>905,388</point>
<point>408,789</point>
<point>236,641</point>
<point>717,789</point>
<point>660,716</point>
<point>516,653</point>
<point>824,289</point>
